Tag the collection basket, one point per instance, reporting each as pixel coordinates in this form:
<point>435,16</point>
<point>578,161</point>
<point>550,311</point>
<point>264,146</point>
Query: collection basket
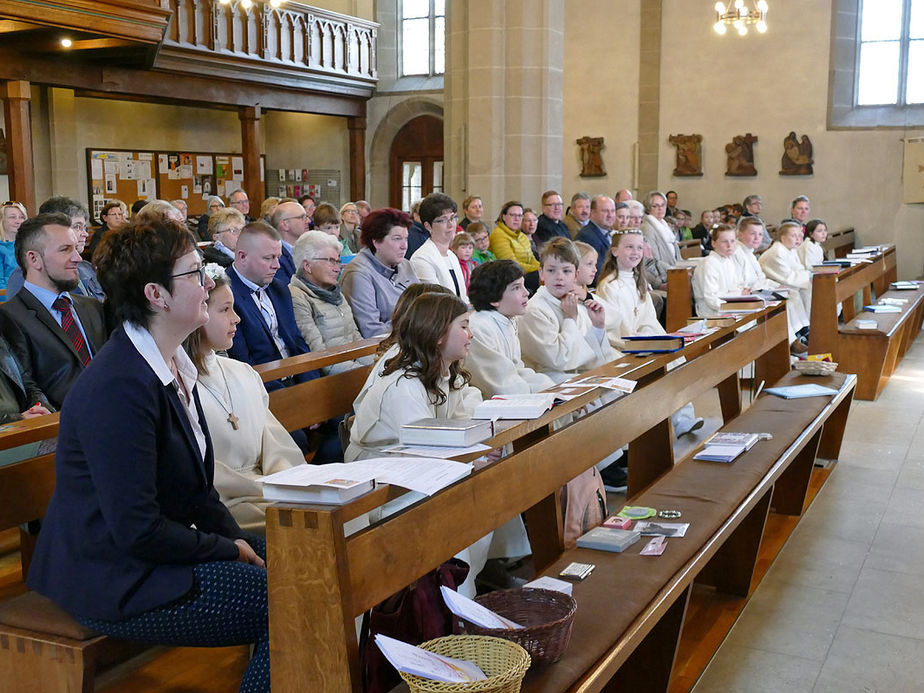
<point>503,662</point>
<point>815,367</point>
<point>546,617</point>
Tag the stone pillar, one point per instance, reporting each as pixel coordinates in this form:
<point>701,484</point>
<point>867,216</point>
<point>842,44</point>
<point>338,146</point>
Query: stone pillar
<point>250,149</point>
<point>649,96</point>
<point>16,95</point>
<point>503,100</point>
<point>67,163</point>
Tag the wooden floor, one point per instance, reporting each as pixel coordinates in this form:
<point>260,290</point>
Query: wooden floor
<point>196,670</point>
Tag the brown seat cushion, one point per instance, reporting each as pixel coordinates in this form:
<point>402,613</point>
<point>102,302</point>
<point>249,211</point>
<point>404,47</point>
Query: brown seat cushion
<point>32,611</point>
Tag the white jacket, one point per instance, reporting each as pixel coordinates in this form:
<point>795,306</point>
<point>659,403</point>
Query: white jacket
<point>557,346</point>
<point>430,266</point>
<point>494,358</point>
<point>627,315</point>
<point>714,277</point>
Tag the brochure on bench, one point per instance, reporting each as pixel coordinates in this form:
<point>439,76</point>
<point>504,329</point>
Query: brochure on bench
<point>473,612</point>
<point>800,391</point>
<point>428,665</point>
<point>445,432</point>
<point>340,482</point>
<point>527,406</point>
<point>662,529</point>
<point>441,452</point>
<point>748,440</point>
<point>882,308</point>
<point>549,583</point>
<point>619,384</point>
<point>720,453</point>
<point>904,286</point>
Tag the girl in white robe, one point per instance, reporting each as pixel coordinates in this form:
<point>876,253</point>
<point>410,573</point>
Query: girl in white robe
<point>717,275</point>
<point>781,263</point>
<point>421,376</point>
<point>626,297</point>
<point>811,252</point>
<point>247,440</point>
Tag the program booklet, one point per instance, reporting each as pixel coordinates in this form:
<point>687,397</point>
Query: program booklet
<point>748,440</point>
<point>428,665</point>
<point>527,406</point>
<point>605,539</point>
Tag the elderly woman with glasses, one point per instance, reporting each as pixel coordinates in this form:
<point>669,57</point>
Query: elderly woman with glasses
<point>13,215</point>
<point>322,313</point>
<point>214,204</point>
<point>349,226</point>
<point>224,227</point>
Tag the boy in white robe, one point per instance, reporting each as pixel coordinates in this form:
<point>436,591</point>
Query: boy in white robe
<point>717,275</point>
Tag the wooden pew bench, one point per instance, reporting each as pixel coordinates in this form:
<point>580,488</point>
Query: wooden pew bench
<point>41,647</point>
<point>631,609</point>
<point>320,580</point>
<point>874,354</point>
<point>839,243</point>
<point>871,354</point>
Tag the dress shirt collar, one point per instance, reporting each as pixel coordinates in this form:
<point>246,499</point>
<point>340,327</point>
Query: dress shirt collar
<point>147,347</point>
<point>249,284</point>
<point>44,296</point>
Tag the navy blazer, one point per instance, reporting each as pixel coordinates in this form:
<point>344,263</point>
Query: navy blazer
<point>286,267</point>
<point>118,538</point>
<point>547,229</point>
<point>253,342</point>
<point>593,235</point>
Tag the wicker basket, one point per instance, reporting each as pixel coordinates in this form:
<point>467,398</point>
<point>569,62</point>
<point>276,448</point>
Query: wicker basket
<point>503,662</point>
<point>815,367</point>
<point>546,617</point>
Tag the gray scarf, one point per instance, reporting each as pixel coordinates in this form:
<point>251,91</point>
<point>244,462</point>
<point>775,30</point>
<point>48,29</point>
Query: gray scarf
<point>333,296</point>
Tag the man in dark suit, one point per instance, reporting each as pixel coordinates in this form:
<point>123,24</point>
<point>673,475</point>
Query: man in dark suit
<point>291,221</point>
<point>61,331</point>
<point>267,331</point>
<point>598,230</point>
<point>550,223</point>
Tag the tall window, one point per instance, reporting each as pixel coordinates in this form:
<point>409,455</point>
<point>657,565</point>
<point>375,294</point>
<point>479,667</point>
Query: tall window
<point>891,53</point>
<point>423,37</point>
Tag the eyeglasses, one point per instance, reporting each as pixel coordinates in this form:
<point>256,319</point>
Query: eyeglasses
<point>454,219</point>
<point>303,217</point>
<point>333,261</point>
<point>12,203</point>
<point>236,230</point>
<point>199,270</point>
<point>554,204</point>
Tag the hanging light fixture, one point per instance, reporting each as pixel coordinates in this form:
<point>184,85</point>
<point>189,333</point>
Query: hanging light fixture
<point>738,16</point>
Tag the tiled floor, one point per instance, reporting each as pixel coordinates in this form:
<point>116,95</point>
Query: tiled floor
<point>842,608</point>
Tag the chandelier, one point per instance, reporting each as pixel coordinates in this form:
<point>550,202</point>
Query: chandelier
<point>739,16</point>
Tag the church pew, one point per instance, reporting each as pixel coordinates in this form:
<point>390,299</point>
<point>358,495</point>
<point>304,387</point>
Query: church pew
<point>691,248</point>
<point>319,580</point>
<point>41,647</point>
<point>872,354</point>
<point>839,243</point>
<point>679,298</point>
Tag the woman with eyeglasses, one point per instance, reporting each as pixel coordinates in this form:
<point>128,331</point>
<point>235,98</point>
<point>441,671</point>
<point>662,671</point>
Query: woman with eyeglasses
<point>322,313</point>
<point>225,226</point>
<point>135,524</point>
<point>12,215</point>
<point>349,227</point>
<point>215,203</point>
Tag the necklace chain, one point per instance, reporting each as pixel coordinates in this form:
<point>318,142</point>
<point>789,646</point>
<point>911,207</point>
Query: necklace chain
<point>229,408</point>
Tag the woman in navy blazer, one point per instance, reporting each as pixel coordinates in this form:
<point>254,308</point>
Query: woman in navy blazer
<point>136,542</point>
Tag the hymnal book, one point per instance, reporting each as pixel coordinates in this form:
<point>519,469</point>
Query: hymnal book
<point>720,453</point>
<point>713,322</point>
<point>748,440</point>
<point>882,308</point>
<point>652,344</point>
<point>429,665</point>
<point>473,612</point>
<point>530,406</point>
<point>747,303</point>
<point>826,269</point>
<point>839,262</point>
<point>904,286</point>
<point>319,483</point>
<point>662,529</point>
<point>623,385</point>
<point>605,539</point>
<point>800,391</point>
<point>445,432</point>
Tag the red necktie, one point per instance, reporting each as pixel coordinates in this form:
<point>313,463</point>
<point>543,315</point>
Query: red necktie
<point>62,304</point>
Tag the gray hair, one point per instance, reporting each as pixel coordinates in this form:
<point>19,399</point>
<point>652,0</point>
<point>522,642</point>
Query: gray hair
<point>651,195</point>
<point>223,218</point>
<point>309,245</point>
<point>579,196</point>
<point>158,208</point>
<point>635,205</point>
<point>800,198</point>
<point>751,199</point>
<point>212,200</point>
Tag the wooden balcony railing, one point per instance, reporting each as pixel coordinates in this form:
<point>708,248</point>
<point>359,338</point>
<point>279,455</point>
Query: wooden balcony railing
<point>296,45</point>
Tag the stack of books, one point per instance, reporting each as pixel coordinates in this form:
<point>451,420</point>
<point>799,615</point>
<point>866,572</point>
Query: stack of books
<point>726,446</point>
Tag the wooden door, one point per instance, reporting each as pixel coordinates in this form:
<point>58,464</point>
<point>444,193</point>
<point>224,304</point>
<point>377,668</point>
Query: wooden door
<point>416,167</point>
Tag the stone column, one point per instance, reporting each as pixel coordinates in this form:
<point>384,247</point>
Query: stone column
<point>649,96</point>
<point>503,100</point>
<point>16,95</point>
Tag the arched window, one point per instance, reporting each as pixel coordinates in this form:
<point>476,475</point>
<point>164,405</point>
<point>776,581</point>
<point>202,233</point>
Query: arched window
<point>422,36</point>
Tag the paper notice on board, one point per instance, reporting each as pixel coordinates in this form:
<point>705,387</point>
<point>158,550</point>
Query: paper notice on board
<point>173,174</point>
<point>237,166</point>
<point>111,184</point>
<point>185,171</point>
<point>111,166</point>
<point>96,169</point>
<point>184,192</point>
<point>146,156</point>
<point>203,165</point>
<point>163,165</point>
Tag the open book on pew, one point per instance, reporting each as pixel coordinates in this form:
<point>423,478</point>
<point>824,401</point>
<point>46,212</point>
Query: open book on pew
<point>337,483</point>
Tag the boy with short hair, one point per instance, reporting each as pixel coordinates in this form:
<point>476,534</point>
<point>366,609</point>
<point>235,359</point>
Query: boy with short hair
<point>499,296</point>
<point>482,239</point>
<point>559,335</point>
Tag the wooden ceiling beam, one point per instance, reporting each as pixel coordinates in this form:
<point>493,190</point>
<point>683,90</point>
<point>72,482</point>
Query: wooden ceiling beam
<point>135,21</point>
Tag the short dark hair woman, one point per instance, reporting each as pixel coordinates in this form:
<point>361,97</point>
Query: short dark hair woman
<point>379,274</point>
<point>136,543</point>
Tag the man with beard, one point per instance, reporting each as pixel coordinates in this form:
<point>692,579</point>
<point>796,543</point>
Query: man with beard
<point>55,332</point>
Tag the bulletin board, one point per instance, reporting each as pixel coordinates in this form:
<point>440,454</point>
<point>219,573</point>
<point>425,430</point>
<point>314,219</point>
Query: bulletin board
<point>321,184</point>
<point>130,175</point>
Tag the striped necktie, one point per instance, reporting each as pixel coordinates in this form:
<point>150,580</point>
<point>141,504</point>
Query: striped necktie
<point>62,304</point>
